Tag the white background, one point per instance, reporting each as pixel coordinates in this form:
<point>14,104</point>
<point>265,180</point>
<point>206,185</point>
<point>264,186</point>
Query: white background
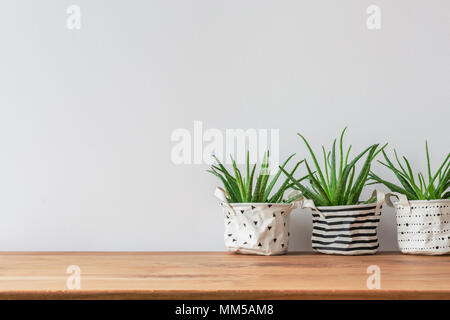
<point>86,115</point>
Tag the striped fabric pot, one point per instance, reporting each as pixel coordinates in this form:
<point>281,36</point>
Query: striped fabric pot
<point>346,230</point>
<point>423,226</point>
<point>256,228</point>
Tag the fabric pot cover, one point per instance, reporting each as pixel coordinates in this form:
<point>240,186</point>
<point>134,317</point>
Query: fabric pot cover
<point>347,230</point>
<point>256,228</point>
<point>423,226</point>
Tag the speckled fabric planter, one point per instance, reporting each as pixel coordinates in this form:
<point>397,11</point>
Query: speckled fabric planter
<point>257,228</point>
<point>423,226</point>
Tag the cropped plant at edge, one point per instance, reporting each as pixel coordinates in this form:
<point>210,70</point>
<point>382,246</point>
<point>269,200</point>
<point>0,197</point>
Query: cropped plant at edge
<point>420,190</point>
<point>241,189</point>
<point>335,183</point>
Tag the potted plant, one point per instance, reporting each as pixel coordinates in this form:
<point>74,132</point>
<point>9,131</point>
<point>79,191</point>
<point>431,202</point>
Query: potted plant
<point>423,207</point>
<point>256,219</point>
<point>342,223</point>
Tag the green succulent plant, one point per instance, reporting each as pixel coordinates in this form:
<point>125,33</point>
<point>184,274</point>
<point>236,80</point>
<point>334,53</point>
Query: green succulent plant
<point>336,183</point>
<point>241,189</point>
<point>420,189</point>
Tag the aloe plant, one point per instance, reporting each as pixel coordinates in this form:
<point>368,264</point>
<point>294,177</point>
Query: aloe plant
<point>241,189</point>
<point>336,183</point>
<point>420,189</point>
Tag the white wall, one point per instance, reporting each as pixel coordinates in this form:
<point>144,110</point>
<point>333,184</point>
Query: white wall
<point>86,115</point>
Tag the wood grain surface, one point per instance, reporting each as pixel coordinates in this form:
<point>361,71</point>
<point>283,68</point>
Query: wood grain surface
<point>219,275</point>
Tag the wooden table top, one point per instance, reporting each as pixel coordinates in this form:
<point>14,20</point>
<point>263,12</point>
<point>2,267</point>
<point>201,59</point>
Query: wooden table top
<point>220,275</point>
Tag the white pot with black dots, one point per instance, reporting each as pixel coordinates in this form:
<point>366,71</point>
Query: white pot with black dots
<point>256,228</point>
<point>423,226</point>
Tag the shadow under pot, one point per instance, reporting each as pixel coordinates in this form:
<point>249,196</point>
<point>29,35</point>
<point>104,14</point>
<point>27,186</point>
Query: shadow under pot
<point>256,228</point>
<point>423,226</point>
<point>346,230</point>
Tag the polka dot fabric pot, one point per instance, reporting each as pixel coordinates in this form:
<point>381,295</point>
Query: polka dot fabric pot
<point>423,226</point>
<point>257,228</point>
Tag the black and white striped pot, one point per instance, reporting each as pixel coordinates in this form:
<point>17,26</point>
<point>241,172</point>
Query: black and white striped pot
<point>256,228</point>
<point>346,230</point>
<point>423,226</point>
